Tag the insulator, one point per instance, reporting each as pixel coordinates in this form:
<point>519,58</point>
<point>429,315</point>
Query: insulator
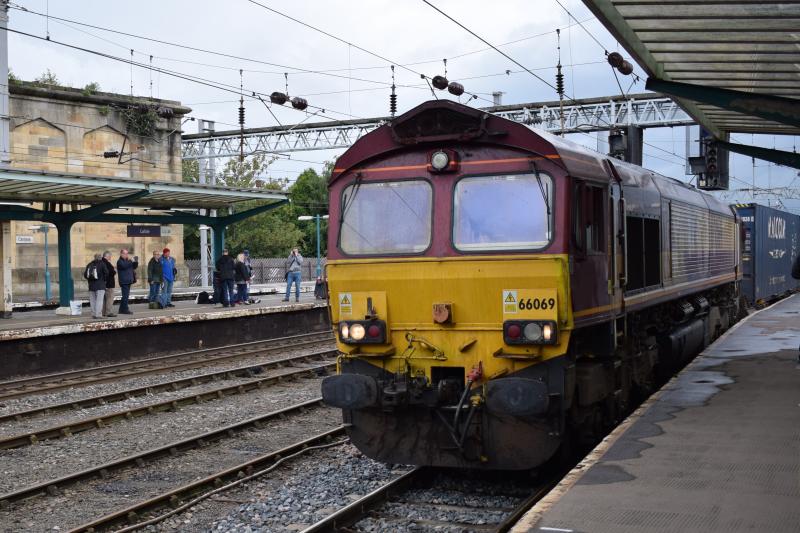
<point>241,116</point>
<point>392,103</point>
<point>440,82</point>
<point>615,59</point>
<point>625,68</point>
<point>559,82</point>
<point>278,98</point>
<point>299,103</point>
<point>455,88</point>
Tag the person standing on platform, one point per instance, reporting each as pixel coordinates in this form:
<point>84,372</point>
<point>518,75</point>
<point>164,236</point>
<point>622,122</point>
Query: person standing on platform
<point>127,277</point>
<point>111,273</point>
<point>294,267</point>
<point>96,274</point>
<point>154,278</point>
<point>168,272</point>
<point>226,267</point>
<point>242,279</point>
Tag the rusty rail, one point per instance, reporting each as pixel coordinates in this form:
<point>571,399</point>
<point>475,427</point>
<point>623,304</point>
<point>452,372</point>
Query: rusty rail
<point>177,496</point>
<point>97,422</point>
<point>174,385</point>
<point>140,459</point>
<point>115,372</point>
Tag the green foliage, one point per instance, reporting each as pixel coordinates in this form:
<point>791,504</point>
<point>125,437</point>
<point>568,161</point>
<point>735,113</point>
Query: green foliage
<point>12,78</point>
<point>104,110</point>
<point>90,88</point>
<point>190,170</point>
<point>140,120</point>
<point>274,233</point>
<point>47,78</point>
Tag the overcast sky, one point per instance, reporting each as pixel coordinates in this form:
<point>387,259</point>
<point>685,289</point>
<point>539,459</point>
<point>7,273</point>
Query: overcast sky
<point>407,32</point>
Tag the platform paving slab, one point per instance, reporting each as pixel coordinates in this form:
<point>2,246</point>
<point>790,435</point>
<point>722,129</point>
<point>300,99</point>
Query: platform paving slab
<point>716,450</point>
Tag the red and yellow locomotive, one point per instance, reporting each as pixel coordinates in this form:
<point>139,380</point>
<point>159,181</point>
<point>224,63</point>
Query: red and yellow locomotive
<point>495,289</point>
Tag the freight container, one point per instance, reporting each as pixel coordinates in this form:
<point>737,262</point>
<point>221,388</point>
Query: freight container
<point>769,247</point>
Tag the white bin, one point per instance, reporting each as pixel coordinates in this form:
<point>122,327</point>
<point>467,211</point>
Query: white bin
<point>75,307</point>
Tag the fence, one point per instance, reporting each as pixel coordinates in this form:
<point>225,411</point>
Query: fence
<point>265,270</point>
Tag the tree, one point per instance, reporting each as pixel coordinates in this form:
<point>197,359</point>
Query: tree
<point>309,196</point>
<point>269,234</point>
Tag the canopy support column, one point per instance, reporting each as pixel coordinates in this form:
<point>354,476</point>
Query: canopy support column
<point>66,291</point>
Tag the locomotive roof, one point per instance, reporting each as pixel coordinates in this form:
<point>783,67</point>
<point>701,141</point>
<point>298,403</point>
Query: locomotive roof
<point>444,121</point>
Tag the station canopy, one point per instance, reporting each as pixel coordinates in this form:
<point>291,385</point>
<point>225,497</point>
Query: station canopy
<point>35,186</point>
<point>732,65</point>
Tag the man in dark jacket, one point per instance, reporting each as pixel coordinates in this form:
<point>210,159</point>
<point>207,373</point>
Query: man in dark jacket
<point>111,273</point>
<point>242,279</point>
<point>127,277</point>
<point>96,273</point>
<point>227,273</point>
<point>154,278</point>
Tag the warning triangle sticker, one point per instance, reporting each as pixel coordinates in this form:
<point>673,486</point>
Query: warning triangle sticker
<point>510,298</point>
<point>345,300</point>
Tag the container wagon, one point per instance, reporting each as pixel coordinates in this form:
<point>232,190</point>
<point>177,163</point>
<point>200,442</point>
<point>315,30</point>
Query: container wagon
<point>769,247</point>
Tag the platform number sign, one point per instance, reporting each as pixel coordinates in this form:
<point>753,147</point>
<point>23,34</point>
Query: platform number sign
<point>345,303</point>
<point>509,302</point>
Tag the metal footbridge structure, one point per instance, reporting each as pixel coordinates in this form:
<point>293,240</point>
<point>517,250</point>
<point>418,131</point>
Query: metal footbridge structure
<point>586,115</point>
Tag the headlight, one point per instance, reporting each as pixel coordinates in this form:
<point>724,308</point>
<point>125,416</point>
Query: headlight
<point>533,331</point>
<point>363,332</point>
<point>357,332</point>
<point>440,160</point>
<point>516,332</point>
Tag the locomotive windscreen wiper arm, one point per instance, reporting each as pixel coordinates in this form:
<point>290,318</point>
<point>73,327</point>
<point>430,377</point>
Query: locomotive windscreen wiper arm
<point>541,188</point>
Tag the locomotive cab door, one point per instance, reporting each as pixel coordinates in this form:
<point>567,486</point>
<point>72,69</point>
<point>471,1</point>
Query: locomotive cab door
<point>617,255</point>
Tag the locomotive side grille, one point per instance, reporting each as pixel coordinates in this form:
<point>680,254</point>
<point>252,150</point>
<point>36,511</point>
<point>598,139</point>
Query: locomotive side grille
<point>702,243</point>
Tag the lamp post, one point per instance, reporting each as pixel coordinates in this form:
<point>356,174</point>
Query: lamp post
<point>45,228</point>
<point>317,218</point>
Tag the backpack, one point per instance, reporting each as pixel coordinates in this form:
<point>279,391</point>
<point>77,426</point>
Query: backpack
<point>202,298</point>
<point>91,272</point>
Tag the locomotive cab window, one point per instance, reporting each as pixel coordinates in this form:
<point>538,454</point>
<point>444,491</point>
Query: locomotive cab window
<point>386,218</point>
<point>510,212</point>
<point>589,218</point>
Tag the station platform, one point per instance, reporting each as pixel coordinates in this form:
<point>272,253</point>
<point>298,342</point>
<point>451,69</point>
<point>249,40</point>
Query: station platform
<point>716,449</point>
<point>41,341</point>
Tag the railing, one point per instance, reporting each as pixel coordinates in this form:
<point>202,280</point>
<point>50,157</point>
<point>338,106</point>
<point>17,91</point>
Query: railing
<point>265,270</point>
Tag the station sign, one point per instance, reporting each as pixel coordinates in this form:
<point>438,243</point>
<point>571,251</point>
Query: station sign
<point>24,239</point>
<point>144,231</point>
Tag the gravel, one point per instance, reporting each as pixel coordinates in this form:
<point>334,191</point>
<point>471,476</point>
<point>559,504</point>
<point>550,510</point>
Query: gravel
<point>291,498</point>
<point>50,459</point>
<point>42,421</point>
<point>89,500</point>
<point>79,392</point>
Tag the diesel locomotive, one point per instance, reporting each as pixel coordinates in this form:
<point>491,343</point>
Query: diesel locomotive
<point>497,291</point>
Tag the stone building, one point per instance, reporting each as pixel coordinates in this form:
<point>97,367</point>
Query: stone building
<point>67,130</point>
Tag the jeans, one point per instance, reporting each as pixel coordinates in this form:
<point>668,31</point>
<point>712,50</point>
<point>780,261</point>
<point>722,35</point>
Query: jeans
<point>96,299</point>
<point>166,292</point>
<point>227,292</point>
<point>241,293</point>
<point>293,277</point>
<point>123,303</point>
<point>155,287</point>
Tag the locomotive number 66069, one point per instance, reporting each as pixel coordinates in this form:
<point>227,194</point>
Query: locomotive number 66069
<point>537,303</point>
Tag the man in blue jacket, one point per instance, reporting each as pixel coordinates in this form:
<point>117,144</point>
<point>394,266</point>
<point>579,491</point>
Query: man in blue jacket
<point>126,271</point>
<point>168,278</point>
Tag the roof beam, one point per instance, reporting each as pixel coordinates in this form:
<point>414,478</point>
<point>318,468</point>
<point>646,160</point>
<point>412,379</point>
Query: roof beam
<point>768,107</point>
<point>789,159</point>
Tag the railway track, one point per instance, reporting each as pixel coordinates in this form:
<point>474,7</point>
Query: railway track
<point>183,497</point>
<point>181,361</point>
<point>142,459</point>
<point>428,499</point>
<point>246,371</point>
<point>70,428</point>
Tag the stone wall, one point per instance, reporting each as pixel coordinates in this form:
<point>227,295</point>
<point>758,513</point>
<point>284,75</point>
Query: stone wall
<point>67,130</point>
